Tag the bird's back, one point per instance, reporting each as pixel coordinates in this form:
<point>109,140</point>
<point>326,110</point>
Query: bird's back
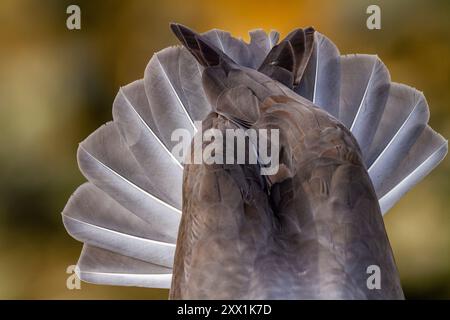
<point>308,232</point>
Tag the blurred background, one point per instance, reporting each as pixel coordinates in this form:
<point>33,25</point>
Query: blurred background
<point>57,86</point>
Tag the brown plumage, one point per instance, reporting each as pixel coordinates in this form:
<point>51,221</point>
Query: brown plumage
<point>308,233</point>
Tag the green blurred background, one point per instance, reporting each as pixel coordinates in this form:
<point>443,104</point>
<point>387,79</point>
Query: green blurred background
<point>57,86</point>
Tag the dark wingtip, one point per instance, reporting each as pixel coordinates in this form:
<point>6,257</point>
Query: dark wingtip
<point>205,53</point>
<point>188,38</point>
<point>175,29</point>
<point>183,33</point>
<point>309,29</point>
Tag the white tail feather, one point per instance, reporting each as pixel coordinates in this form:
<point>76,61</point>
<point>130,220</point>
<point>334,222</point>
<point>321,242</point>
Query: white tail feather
<point>163,170</point>
<point>104,267</point>
<point>321,79</point>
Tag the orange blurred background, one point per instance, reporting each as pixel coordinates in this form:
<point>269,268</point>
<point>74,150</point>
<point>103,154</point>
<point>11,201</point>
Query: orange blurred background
<point>57,86</point>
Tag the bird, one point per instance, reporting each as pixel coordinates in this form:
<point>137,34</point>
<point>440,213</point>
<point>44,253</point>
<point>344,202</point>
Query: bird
<point>351,144</point>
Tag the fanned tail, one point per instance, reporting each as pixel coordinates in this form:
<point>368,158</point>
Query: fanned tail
<point>389,121</point>
<point>127,215</point>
